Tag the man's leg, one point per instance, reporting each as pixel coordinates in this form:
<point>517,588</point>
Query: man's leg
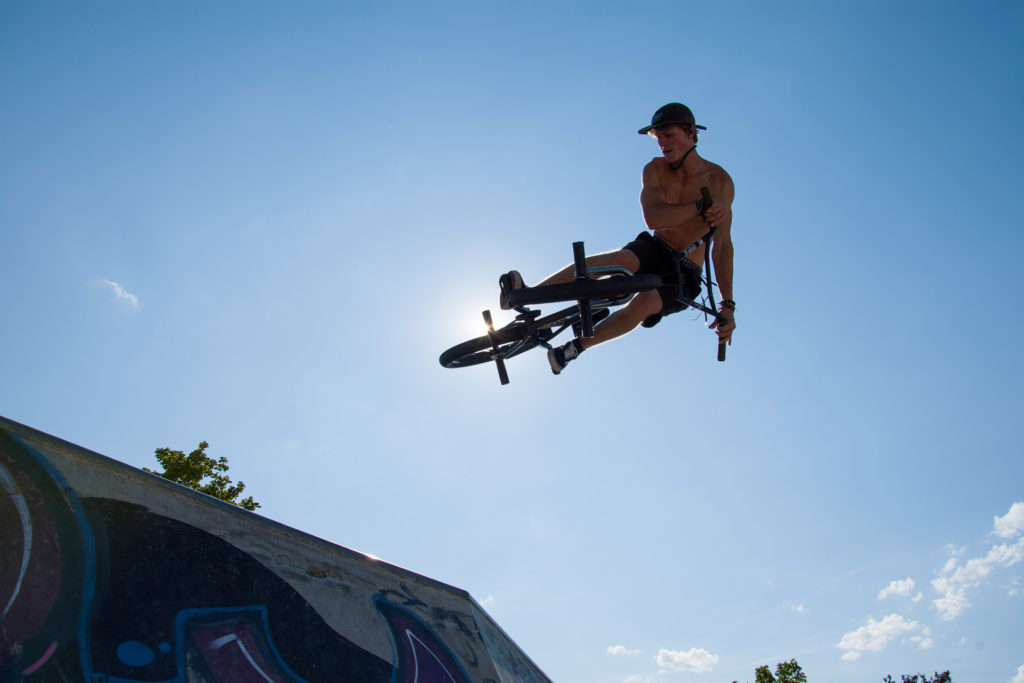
<point>513,280</point>
<point>617,324</point>
<point>640,307</point>
<point>625,319</point>
<point>622,257</point>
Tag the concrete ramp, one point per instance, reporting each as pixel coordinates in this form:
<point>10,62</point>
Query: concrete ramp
<point>111,574</point>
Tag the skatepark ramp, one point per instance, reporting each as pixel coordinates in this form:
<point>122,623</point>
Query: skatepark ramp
<point>111,574</point>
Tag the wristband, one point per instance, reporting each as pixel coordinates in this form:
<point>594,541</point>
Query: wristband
<point>729,303</point>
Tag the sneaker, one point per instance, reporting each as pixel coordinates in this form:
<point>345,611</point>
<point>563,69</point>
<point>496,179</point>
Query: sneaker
<point>508,282</point>
<point>560,356</point>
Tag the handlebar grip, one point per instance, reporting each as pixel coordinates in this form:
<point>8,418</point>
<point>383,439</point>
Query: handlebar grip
<point>705,199</point>
<point>586,319</point>
<point>721,343</point>
<point>579,259</point>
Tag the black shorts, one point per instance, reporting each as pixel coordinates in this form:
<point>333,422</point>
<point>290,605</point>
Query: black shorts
<point>658,258</point>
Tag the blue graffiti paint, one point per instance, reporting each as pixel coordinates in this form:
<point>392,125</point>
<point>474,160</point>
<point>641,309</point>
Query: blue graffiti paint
<point>88,553</point>
<point>189,621</point>
<point>134,653</point>
<point>422,657</point>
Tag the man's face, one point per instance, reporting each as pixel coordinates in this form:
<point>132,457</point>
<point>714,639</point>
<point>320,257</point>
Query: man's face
<point>673,141</point>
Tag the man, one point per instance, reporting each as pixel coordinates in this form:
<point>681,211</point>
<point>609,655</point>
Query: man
<point>670,202</point>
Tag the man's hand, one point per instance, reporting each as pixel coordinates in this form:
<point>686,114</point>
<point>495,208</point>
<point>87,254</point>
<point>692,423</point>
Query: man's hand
<point>717,213</point>
<point>726,328</point>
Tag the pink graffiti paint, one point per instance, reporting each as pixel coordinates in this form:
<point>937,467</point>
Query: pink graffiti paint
<point>46,656</point>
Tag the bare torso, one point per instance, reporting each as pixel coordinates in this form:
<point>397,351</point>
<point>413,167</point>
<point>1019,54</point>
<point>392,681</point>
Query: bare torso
<point>678,187</point>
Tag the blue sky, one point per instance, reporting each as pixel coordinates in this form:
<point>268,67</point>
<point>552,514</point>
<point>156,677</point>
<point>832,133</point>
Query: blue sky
<point>259,223</point>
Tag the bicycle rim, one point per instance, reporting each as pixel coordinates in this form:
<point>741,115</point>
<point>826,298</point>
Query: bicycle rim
<point>479,350</point>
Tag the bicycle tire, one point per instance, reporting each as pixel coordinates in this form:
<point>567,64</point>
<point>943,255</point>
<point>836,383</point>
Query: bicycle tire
<point>479,350</point>
<point>584,289</point>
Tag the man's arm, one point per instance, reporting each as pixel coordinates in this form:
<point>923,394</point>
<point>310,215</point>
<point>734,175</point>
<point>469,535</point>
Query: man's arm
<point>657,212</point>
<point>722,252</point>
<point>721,245</point>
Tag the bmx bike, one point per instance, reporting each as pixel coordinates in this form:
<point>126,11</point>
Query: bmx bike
<point>596,290</point>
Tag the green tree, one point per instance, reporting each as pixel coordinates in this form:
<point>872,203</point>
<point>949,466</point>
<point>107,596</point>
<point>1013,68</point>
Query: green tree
<point>785,672</point>
<point>191,470</point>
<point>921,678</point>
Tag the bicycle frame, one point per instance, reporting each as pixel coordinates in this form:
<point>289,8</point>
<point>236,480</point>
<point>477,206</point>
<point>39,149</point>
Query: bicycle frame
<point>539,331</point>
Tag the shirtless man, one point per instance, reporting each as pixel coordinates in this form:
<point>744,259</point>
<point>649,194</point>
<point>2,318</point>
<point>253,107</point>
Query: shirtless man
<point>670,201</point>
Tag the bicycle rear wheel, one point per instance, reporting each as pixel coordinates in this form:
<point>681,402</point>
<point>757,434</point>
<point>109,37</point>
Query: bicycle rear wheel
<point>479,350</point>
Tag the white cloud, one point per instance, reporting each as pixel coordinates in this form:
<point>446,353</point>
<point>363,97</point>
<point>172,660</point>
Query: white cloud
<point>1019,678</point>
<point>616,650</point>
<point>956,579</point>
<point>694,660</point>
<point>952,604</point>
<point>876,635</point>
<point>121,293</point>
<point>899,587</point>
<point>796,607</point>
<point>1010,524</point>
<point>923,641</point>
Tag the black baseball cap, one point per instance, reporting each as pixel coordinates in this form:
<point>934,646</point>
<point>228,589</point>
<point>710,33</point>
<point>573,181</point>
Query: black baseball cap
<point>671,113</point>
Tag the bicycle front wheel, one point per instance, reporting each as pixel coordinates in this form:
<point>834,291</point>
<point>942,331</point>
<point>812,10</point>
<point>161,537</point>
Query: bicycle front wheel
<point>479,350</point>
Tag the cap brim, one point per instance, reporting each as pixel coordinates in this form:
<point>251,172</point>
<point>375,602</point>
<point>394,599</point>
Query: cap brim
<point>647,129</point>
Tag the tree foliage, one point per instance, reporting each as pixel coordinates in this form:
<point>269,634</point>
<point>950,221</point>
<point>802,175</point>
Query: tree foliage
<point>199,471</point>
<point>943,677</point>
<point>785,672</point>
